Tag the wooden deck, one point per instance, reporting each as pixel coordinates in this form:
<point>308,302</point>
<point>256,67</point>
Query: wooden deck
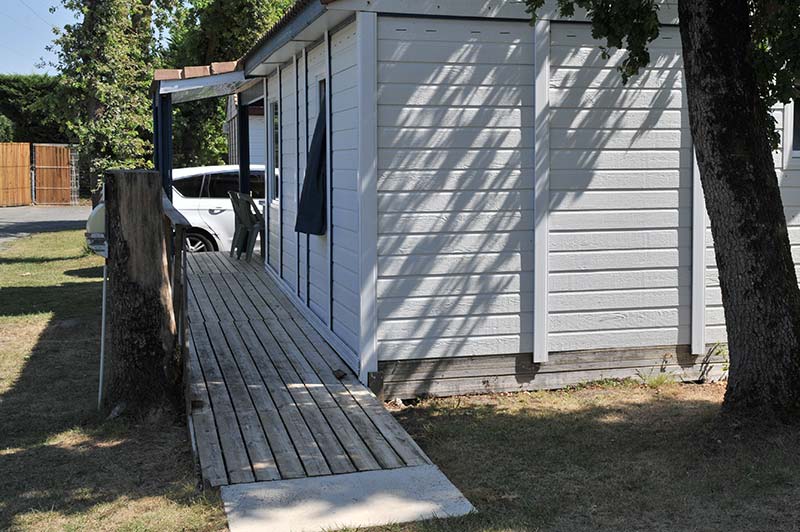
<point>263,396</point>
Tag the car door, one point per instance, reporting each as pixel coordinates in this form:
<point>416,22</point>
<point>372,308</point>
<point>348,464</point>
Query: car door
<point>186,198</point>
<point>215,205</point>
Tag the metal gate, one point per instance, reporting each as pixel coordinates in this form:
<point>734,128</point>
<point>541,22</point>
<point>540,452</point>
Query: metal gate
<point>15,174</point>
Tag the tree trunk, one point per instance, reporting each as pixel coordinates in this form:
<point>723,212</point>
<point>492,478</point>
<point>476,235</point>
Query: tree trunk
<point>757,275</point>
<point>144,364</point>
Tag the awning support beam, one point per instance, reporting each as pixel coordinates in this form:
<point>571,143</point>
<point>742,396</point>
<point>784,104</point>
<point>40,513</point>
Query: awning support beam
<point>162,139</point>
<point>244,147</point>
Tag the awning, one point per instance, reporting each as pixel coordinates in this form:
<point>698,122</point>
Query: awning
<point>200,82</point>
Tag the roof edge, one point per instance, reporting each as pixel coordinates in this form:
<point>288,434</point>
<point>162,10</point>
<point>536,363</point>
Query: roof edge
<point>297,18</point>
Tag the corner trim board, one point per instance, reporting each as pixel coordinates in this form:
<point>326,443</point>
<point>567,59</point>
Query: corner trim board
<point>698,262</point>
<point>297,169</point>
<point>280,171</point>
<point>329,171</point>
<point>541,200</point>
<point>367,71</point>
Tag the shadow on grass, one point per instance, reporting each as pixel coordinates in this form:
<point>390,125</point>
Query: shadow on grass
<point>38,260</point>
<point>57,456</point>
<point>95,272</point>
<point>646,460</point>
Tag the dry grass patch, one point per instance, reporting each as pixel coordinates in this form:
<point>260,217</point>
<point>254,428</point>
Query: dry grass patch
<point>621,456</point>
<point>62,467</point>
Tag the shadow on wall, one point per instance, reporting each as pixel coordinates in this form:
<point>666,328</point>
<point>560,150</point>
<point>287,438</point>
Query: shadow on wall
<point>456,245</point>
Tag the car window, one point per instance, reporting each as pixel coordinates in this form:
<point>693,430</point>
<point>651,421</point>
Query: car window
<point>189,187</point>
<point>220,184</point>
<point>257,184</point>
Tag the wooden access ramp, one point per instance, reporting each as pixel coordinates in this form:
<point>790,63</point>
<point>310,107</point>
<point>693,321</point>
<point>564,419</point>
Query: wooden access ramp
<point>268,399</point>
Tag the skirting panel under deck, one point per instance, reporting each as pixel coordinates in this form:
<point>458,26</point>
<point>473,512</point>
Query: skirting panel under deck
<point>518,372</point>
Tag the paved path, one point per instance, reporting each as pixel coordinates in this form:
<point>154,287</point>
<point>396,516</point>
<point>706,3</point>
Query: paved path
<point>22,221</point>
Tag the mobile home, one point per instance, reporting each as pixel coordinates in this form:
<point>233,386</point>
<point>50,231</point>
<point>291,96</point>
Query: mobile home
<point>502,213</point>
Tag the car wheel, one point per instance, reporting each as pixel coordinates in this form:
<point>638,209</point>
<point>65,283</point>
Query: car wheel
<point>198,243</point>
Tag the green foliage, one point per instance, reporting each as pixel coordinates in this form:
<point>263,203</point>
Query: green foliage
<point>624,24</point>
<point>31,104</point>
<point>204,31</point>
<point>656,379</point>
<point>106,60</point>
<point>6,129</point>
<point>633,24</point>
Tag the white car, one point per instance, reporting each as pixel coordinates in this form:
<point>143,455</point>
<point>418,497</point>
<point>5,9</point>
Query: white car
<point>201,195</point>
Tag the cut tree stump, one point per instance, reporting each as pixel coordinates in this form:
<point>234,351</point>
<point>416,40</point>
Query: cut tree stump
<point>144,364</point>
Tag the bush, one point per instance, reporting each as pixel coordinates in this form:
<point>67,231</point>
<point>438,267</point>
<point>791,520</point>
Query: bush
<point>6,129</point>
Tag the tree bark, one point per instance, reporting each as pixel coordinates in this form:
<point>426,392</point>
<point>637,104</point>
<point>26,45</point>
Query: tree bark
<point>144,367</point>
<point>757,274</point>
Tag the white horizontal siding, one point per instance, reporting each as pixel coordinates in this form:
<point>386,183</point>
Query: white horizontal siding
<point>344,214</point>
<point>289,137</point>
<point>274,229</point>
<point>317,253</point>
<point>620,197</point>
<point>258,140</point>
<point>455,187</point>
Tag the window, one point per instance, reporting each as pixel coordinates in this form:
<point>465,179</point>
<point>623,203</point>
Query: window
<point>275,117</point>
<point>791,136</point>
<point>189,187</point>
<point>220,184</point>
<point>257,184</point>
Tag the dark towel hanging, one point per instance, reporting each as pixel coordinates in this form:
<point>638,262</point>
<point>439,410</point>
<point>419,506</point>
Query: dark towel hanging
<point>311,211</point>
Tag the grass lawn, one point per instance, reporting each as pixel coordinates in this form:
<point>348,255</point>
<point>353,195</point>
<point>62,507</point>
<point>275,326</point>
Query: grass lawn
<point>61,466</point>
<point>615,457</point>
<point>620,456</point>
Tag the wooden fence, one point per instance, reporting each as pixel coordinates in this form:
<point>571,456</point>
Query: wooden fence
<point>52,174</point>
<point>15,174</point>
<point>45,174</point>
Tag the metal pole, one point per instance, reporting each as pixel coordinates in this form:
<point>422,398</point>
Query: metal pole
<point>102,340</point>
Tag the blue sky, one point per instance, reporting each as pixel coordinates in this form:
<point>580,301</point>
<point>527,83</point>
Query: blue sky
<point>25,31</point>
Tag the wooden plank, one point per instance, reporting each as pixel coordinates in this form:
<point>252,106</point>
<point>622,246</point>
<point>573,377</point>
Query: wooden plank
<point>367,430</point>
<point>224,262</point>
<point>346,433</point>
<point>307,448</point>
<point>227,311</point>
<point>332,449</point>
<point>237,462</point>
<point>212,467</point>
<point>261,459</point>
<point>391,430</point>
<point>198,302</point>
<point>237,296</point>
<point>209,451</point>
<point>206,263</point>
<point>279,440</point>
